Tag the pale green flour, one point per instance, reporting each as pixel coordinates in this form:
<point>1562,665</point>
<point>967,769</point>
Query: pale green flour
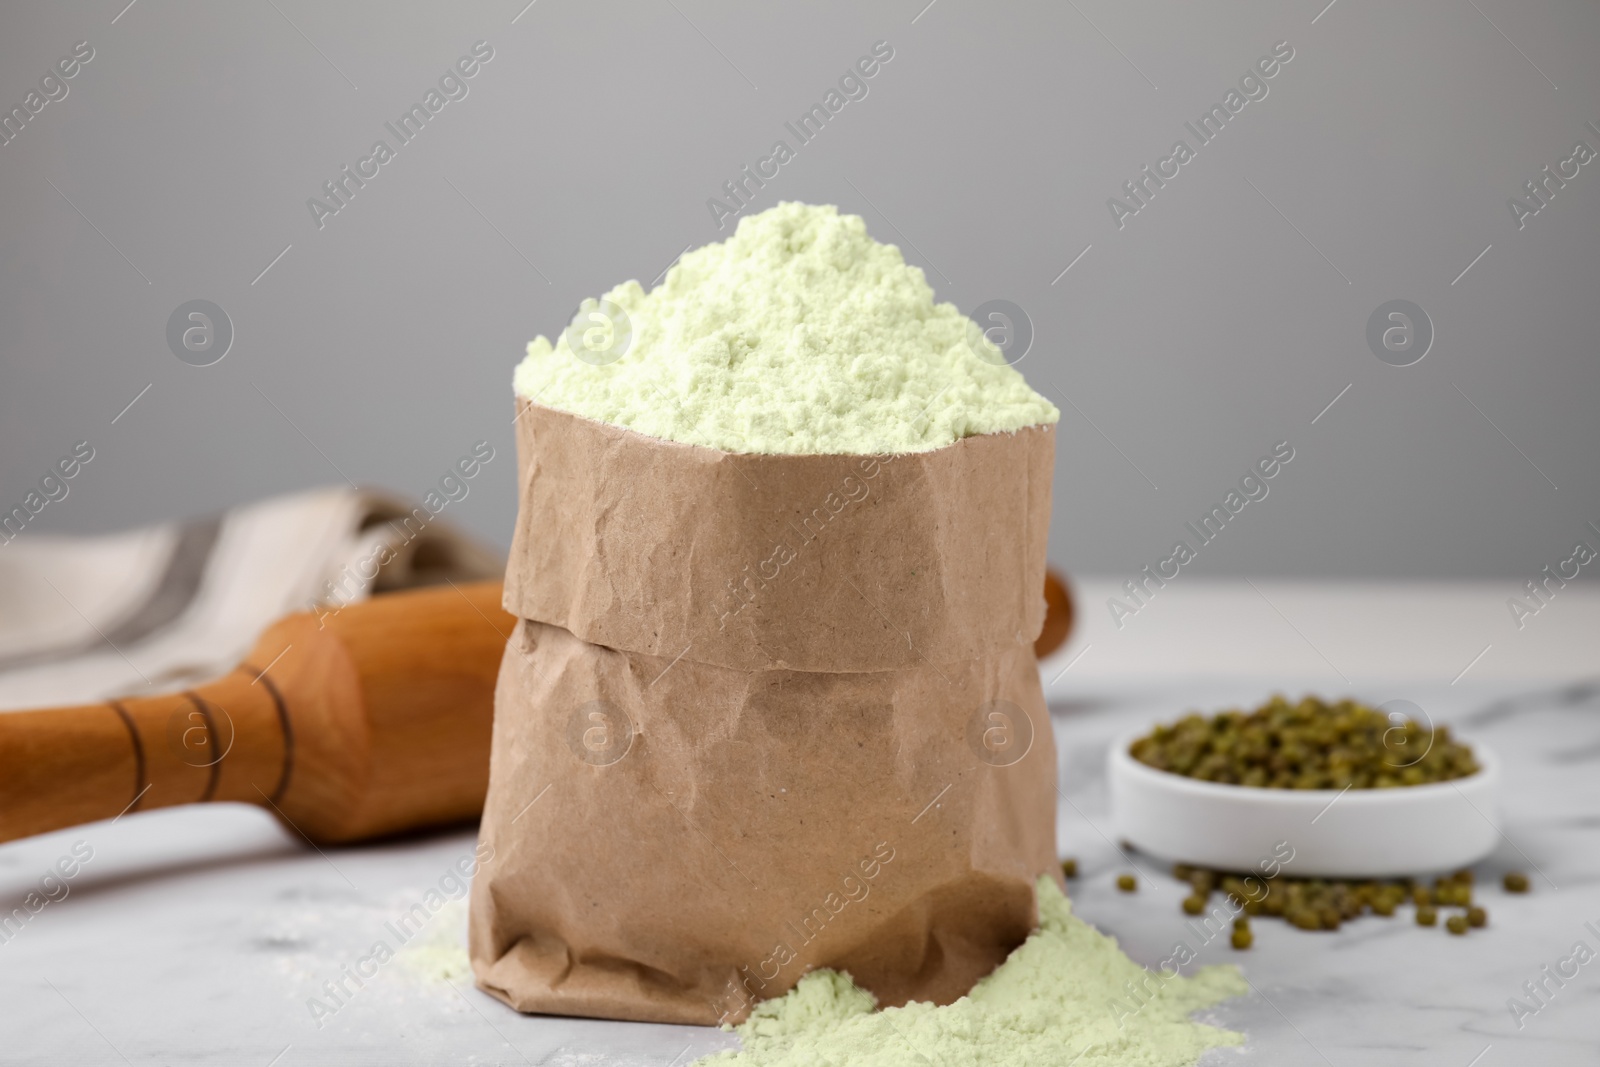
<point>1066,996</point>
<point>799,334</point>
<point>439,953</point>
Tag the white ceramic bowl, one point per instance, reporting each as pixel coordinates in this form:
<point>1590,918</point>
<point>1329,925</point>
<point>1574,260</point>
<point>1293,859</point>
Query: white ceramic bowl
<point>1361,833</point>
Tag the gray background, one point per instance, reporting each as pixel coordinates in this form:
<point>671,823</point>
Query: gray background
<point>1220,320</point>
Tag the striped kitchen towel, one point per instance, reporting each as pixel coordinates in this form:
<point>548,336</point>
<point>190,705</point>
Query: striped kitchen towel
<point>85,619</point>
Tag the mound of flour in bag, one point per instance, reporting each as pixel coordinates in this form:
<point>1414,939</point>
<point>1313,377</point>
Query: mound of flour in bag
<point>800,334</point>
<point>1067,995</point>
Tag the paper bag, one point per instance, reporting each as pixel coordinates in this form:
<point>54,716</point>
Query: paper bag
<point>694,800</point>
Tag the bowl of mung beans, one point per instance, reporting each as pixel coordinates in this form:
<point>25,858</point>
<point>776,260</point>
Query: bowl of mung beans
<point>1352,790</point>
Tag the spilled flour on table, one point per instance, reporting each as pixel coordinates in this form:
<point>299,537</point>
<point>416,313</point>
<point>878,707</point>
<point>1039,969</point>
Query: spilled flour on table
<point>1063,997</point>
<point>439,954</point>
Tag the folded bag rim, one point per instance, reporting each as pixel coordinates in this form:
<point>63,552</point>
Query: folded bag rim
<point>838,563</point>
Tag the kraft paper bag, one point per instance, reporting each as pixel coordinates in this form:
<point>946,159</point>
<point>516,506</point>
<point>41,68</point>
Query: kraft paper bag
<point>706,781</point>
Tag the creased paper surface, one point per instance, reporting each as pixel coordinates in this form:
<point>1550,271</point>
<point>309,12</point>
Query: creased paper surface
<point>818,563</point>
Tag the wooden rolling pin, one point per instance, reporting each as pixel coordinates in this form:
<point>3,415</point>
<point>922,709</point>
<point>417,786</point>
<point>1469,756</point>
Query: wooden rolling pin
<point>360,724</point>
<point>372,721</point>
<point>1058,616</point>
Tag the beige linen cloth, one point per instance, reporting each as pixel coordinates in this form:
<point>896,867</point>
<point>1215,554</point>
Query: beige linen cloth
<point>170,606</point>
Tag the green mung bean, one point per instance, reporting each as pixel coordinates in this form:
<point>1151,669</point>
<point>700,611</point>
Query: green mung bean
<point>1312,744</point>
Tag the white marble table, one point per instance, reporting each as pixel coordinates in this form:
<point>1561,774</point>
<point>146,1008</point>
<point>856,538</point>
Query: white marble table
<point>198,935</point>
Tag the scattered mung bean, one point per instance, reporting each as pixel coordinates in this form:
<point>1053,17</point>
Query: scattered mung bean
<point>1322,903</point>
